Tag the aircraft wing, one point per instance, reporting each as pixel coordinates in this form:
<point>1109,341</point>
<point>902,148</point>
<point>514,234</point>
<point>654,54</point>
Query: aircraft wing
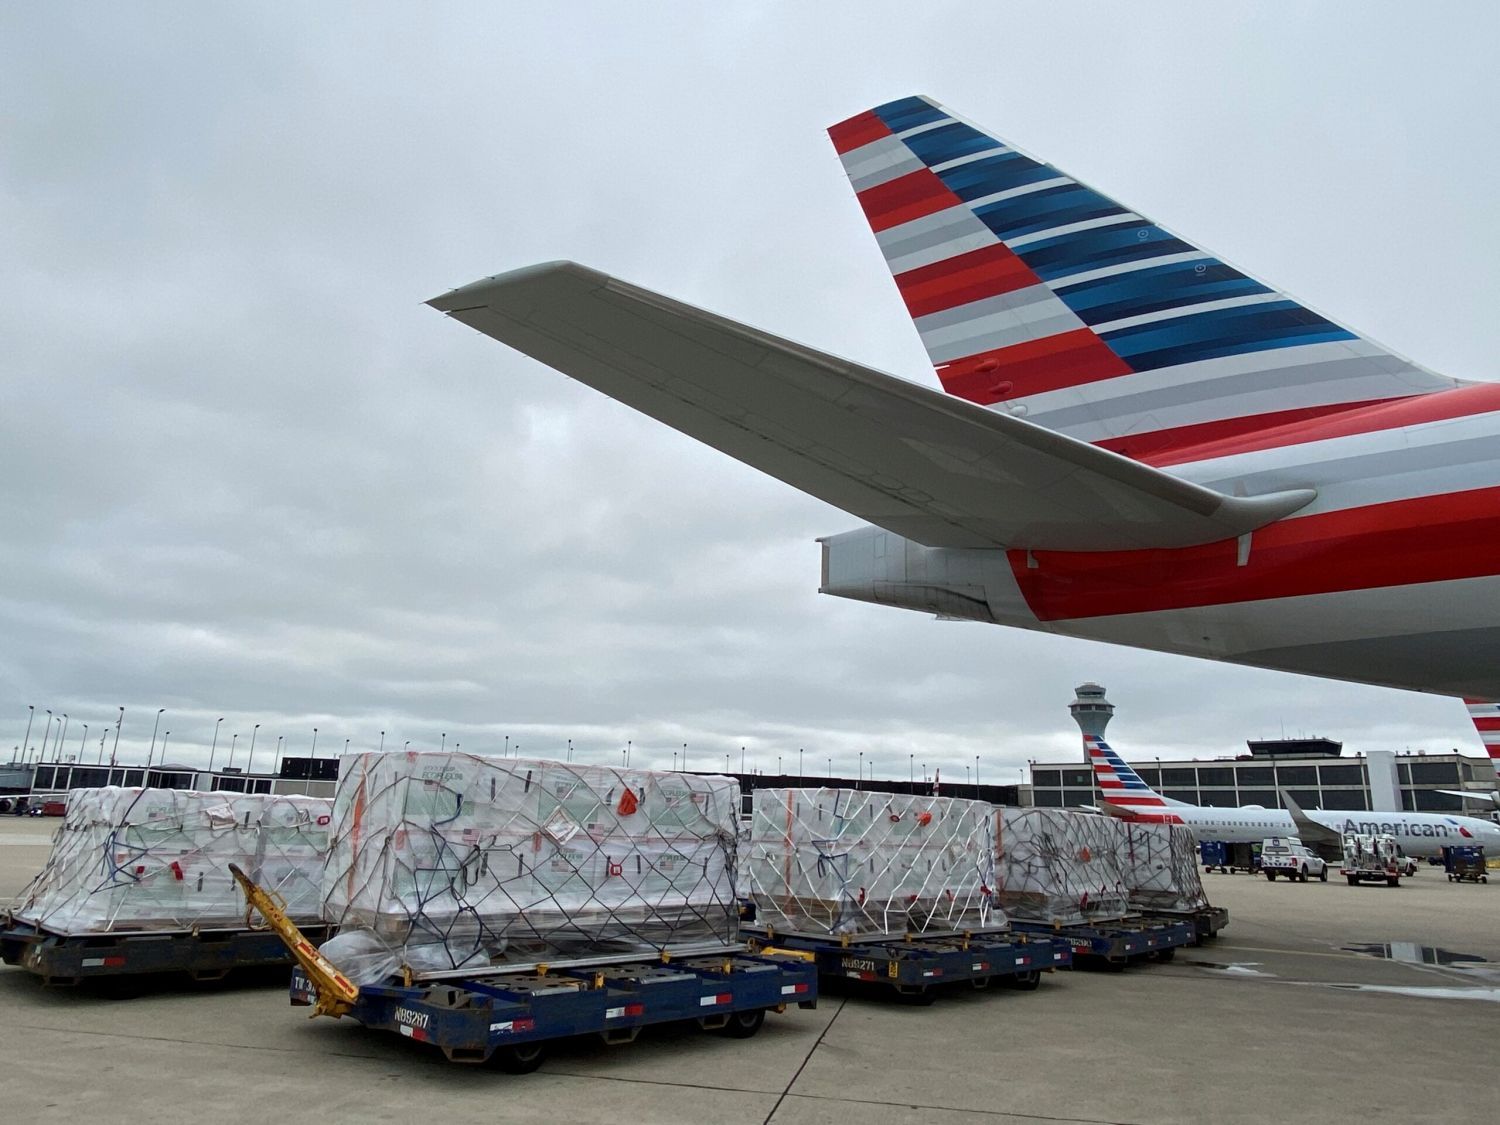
<point>1490,798</point>
<point>932,468</point>
<point>1309,831</point>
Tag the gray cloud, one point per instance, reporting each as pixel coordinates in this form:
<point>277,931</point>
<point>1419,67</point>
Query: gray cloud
<point>243,471</point>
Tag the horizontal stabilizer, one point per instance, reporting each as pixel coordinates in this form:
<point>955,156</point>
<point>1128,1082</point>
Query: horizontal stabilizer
<point>932,468</point>
<point>1479,798</point>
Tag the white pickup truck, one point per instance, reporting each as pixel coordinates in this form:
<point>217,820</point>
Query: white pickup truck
<point>1289,856</point>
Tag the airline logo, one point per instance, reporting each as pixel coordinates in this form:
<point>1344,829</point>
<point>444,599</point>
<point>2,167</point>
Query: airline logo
<point>1486,717</point>
<point>1122,786</point>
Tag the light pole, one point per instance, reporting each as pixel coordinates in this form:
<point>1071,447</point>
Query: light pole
<point>570,751</point>
<point>630,746</point>
<point>911,768</point>
<point>42,757</point>
<point>250,757</point>
<point>507,746</point>
<point>674,761</point>
<point>26,742</point>
<point>234,741</point>
<point>99,761</point>
<point>976,777</point>
<point>346,746</point>
<point>830,767</point>
<point>150,754</point>
<point>443,746</point>
<point>164,738</point>
<point>314,753</point>
<point>276,761</point>
<point>859,781</point>
<point>115,749</point>
<point>213,750</point>
<point>778,765</point>
<point>742,759</point>
<point>81,741</point>
<point>407,745</point>
<point>382,742</point>
<point>57,750</point>
<point>684,757</point>
<point>799,763</point>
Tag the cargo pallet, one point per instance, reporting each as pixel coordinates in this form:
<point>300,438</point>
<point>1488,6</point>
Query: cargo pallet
<point>510,1015</point>
<point>1206,921</point>
<point>1117,943</point>
<point>914,965</point>
<point>203,954</point>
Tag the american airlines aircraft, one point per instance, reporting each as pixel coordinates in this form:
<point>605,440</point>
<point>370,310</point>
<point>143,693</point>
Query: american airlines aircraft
<point>1486,717</point>
<point>1419,834</point>
<point>1139,443</point>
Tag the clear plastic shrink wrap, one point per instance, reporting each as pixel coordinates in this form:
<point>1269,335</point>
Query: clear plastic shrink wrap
<point>158,859</point>
<point>1161,866</point>
<point>447,861</point>
<point>844,861</point>
<point>1057,866</point>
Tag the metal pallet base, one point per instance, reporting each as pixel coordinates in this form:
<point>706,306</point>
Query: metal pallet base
<point>472,1018</point>
<point>1119,942</point>
<point>913,965</point>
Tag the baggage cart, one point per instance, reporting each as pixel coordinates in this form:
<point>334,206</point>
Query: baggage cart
<point>1464,863</point>
<point>1115,944</point>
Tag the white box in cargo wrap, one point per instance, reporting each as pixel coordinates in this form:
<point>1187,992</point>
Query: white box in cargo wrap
<point>1058,866</point>
<point>845,861</point>
<point>158,859</point>
<point>443,861</point>
<point>1160,862</point>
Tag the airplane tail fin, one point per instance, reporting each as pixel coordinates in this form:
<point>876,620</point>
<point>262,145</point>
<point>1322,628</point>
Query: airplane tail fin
<point>1033,293</point>
<point>1124,793</point>
<point>1486,718</point>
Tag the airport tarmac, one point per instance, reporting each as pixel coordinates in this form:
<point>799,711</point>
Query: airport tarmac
<point>1278,1020</point>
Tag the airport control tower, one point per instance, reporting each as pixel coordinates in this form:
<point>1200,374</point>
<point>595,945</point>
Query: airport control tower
<point>1091,710</point>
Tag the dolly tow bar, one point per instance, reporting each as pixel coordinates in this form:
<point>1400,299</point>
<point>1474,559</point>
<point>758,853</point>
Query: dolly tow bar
<point>336,993</point>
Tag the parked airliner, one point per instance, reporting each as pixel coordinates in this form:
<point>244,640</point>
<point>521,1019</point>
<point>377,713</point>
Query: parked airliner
<point>1139,443</point>
<point>1126,795</point>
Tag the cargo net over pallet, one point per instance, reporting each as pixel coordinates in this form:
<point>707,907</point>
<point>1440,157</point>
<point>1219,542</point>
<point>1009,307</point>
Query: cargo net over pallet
<point>451,861</point>
<point>844,861</point>
<point>133,860</point>
<point>1160,862</point>
<point>1059,867</point>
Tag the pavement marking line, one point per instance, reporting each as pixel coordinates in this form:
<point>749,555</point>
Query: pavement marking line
<point>958,1109</point>
<point>818,1042</point>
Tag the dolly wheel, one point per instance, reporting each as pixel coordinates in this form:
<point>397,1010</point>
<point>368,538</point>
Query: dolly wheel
<point>1027,981</point>
<point>521,1058</point>
<point>1166,954</point>
<point>742,1025</point>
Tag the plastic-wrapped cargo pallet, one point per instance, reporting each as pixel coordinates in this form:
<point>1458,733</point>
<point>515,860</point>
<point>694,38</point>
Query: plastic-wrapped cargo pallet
<point>1161,866</point>
<point>1058,866</point>
<point>130,860</point>
<point>845,861</point>
<point>447,861</point>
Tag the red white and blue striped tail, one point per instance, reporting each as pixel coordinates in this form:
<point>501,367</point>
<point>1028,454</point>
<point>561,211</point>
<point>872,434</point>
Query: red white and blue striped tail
<point>1035,293</point>
<point>1122,787</point>
<point>1486,716</point>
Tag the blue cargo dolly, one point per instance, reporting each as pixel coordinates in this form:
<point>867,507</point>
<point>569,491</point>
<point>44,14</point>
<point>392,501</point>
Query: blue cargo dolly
<point>510,1015</point>
<point>1119,942</point>
<point>203,954</point>
<point>915,964</point>
<point>1206,921</point>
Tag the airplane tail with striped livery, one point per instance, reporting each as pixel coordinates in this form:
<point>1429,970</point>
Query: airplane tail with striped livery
<point>1486,718</point>
<point>1035,294</point>
<point>1123,791</point>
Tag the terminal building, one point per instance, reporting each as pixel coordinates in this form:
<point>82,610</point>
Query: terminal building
<point>1315,771</point>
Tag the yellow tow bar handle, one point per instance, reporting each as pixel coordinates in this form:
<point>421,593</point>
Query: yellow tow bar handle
<point>336,993</point>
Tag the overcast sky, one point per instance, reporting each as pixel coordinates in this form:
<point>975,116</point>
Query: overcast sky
<point>245,472</point>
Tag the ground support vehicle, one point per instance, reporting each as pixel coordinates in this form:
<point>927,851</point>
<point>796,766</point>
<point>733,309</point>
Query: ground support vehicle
<point>1371,859</point>
<point>510,1015</point>
<point>915,965</point>
<point>1291,858</point>
<point>1464,863</point>
<point>1118,942</point>
<point>203,954</point>
<point>1219,855</point>
<point>1206,921</point>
